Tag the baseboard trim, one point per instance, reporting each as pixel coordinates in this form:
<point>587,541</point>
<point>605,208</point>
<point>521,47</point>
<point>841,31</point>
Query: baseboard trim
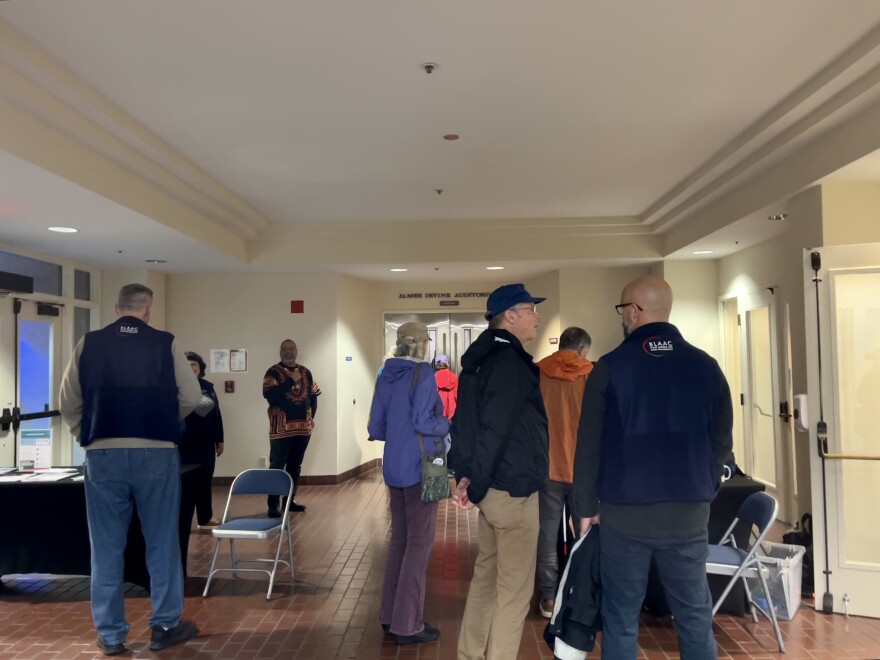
<point>318,479</point>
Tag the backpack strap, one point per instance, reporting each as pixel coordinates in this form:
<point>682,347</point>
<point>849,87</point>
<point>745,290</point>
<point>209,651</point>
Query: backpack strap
<point>415,382</point>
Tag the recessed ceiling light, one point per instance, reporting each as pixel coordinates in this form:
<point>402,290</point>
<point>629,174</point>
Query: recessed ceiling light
<point>494,267</point>
<point>451,137</point>
<point>704,251</point>
<point>399,270</point>
<point>64,230</point>
<point>155,261</point>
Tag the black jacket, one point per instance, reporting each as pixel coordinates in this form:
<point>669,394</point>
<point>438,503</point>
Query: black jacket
<point>499,432</point>
<point>129,390</point>
<point>655,424</point>
<point>576,617</point>
<point>202,433</point>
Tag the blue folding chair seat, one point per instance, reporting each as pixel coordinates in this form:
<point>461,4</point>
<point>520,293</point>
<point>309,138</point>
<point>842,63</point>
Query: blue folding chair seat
<point>758,510</point>
<point>255,482</point>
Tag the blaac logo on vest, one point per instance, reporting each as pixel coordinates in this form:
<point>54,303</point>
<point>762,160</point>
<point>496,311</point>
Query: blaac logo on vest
<point>656,347</point>
<point>127,330</point>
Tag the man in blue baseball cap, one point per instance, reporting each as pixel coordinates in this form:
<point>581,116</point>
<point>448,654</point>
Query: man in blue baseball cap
<point>507,296</point>
<point>500,458</point>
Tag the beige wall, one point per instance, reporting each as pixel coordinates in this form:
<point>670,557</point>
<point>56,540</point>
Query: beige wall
<point>156,281</point>
<point>695,302</point>
<point>779,263</point>
<point>357,329</point>
<point>587,298</point>
<point>546,286</point>
<point>252,311</point>
<point>850,213</point>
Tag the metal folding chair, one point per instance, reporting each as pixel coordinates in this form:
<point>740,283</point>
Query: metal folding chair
<point>255,482</point>
<point>759,510</point>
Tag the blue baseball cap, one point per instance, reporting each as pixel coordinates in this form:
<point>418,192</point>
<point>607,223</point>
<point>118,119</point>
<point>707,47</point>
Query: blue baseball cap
<point>505,297</point>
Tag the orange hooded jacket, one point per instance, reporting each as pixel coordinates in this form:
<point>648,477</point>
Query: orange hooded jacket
<point>563,378</point>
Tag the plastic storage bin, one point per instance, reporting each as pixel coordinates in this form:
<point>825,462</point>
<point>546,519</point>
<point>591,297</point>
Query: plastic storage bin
<point>785,564</point>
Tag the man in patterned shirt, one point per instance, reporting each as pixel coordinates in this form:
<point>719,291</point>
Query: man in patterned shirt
<point>292,394</point>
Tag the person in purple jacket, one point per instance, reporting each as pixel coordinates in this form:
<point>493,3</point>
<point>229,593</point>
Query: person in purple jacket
<point>406,404</point>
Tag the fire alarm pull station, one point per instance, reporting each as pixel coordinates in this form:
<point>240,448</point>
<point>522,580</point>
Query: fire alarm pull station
<point>229,386</point>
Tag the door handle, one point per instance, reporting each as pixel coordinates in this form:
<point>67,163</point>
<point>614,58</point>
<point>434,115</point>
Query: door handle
<point>783,411</point>
<point>761,411</point>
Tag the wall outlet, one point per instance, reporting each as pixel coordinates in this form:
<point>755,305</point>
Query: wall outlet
<point>263,462</point>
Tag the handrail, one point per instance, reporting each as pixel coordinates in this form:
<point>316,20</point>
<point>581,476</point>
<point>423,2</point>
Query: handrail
<point>850,457</point>
<point>823,451</point>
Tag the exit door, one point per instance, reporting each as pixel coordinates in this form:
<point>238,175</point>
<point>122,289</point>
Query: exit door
<point>31,368</point>
<point>767,446</point>
<point>844,390</point>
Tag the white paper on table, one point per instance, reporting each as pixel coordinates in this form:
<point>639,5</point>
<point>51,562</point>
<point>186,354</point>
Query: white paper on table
<point>48,476</point>
<point>79,478</point>
<point>5,470</point>
<point>11,478</point>
<point>56,471</point>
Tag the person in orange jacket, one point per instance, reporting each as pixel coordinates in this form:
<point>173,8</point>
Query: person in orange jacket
<point>563,378</point>
<point>447,385</point>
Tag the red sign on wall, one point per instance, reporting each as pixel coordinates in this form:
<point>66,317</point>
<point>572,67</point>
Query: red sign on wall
<point>296,307</point>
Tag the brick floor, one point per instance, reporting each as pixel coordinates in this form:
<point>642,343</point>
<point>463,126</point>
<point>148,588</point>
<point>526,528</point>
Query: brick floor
<point>330,609</point>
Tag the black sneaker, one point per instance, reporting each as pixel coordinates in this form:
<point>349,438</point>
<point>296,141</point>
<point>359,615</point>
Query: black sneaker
<point>274,512</point>
<point>162,639</point>
<point>111,649</point>
<point>296,506</point>
<point>429,634</point>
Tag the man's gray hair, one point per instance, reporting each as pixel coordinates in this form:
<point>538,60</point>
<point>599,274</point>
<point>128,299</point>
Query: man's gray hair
<point>497,320</point>
<point>135,297</point>
<point>574,339</point>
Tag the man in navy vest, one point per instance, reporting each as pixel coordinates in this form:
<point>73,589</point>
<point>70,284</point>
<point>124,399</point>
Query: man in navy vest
<point>123,395</point>
<point>655,431</point>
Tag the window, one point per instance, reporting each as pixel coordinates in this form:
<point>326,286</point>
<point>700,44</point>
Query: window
<point>82,285</point>
<point>47,276</point>
<point>82,321</point>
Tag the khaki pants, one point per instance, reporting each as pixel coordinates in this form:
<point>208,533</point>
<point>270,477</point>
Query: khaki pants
<point>504,577</point>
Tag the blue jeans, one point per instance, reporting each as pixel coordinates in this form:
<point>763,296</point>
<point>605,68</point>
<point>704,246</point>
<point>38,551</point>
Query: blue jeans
<point>116,479</point>
<point>681,564</point>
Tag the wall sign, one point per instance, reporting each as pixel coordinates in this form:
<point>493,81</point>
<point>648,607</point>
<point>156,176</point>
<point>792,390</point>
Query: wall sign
<point>228,360</point>
<point>34,449</point>
<point>428,295</point>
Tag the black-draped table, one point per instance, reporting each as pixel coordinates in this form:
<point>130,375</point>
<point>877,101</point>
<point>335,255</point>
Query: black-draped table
<point>723,510</point>
<point>45,529</point>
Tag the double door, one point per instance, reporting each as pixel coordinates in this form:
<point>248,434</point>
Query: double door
<point>30,373</point>
<point>451,334</point>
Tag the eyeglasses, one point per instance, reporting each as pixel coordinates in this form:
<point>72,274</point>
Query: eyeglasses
<point>619,308</point>
<point>529,308</point>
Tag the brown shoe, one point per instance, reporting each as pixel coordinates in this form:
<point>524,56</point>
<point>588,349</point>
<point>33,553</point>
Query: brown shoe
<point>211,524</point>
<point>546,607</point>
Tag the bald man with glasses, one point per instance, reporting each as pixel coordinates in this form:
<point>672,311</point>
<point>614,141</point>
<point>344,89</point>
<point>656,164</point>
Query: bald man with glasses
<point>655,432</point>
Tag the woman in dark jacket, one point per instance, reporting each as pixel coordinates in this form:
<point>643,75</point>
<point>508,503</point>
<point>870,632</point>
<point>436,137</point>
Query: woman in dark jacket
<point>405,405</point>
<point>202,442</point>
